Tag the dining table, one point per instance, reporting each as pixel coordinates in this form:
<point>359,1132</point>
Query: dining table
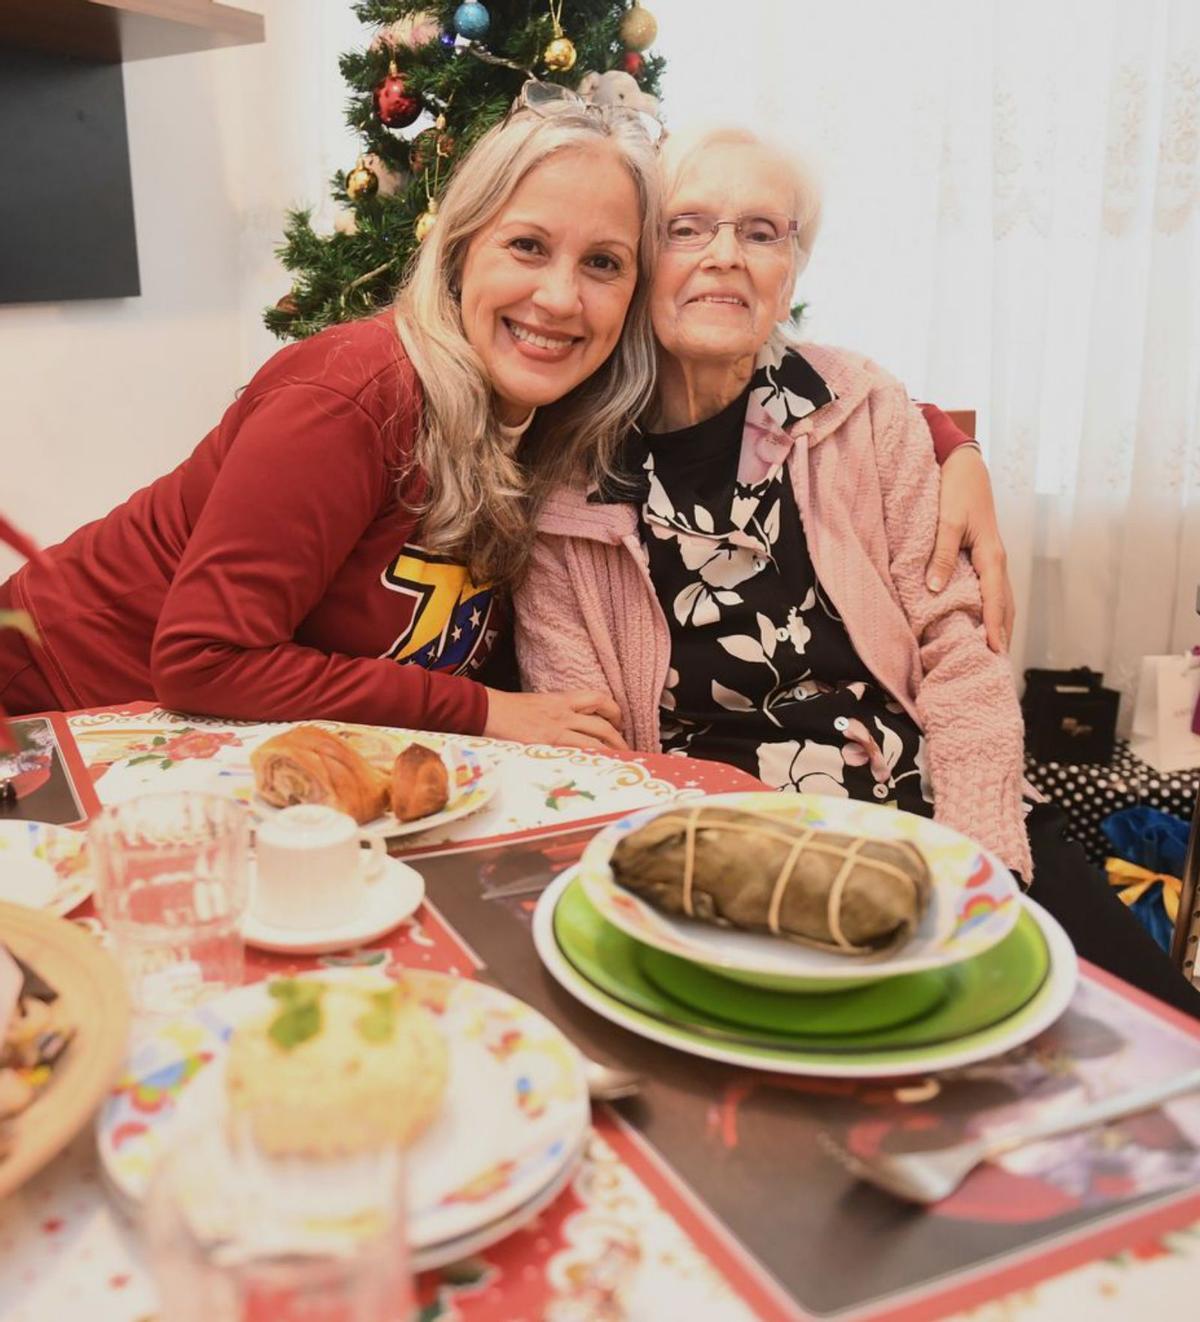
<point>707,1195</point>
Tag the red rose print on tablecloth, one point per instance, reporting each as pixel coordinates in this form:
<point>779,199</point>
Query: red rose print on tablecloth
<point>189,744</point>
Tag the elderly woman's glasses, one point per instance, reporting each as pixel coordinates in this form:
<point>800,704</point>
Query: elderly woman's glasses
<point>697,229</point>
<point>550,98</point>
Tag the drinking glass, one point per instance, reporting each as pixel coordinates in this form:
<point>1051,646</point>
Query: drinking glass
<point>172,888</point>
<point>238,1236</point>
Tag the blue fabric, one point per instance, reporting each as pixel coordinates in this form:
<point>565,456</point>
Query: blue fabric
<point>1148,909</point>
<point>1153,840</point>
<point>1149,838</point>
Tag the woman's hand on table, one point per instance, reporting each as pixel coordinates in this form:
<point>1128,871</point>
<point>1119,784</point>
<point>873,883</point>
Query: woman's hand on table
<point>581,718</point>
<point>967,521</point>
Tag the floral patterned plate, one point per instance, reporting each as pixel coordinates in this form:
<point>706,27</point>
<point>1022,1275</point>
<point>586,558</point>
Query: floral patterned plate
<point>515,1112</point>
<point>43,866</point>
<point>218,762</point>
<point>975,899</point>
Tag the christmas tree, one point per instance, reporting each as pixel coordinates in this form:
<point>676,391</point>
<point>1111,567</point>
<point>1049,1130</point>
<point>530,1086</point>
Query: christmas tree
<point>432,79</point>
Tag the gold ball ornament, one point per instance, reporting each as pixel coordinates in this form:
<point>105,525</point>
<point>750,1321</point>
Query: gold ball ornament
<point>638,28</point>
<point>361,181</point>
<point>426,221</point>
<point>560,55</point>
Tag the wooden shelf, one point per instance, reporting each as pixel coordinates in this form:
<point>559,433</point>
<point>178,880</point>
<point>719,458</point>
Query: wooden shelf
<point>114,30</point>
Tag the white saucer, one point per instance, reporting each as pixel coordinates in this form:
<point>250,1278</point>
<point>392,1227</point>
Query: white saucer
<point>391,897</point>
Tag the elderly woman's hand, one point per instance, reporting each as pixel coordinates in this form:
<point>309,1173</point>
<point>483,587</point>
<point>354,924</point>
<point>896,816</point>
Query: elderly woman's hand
<point>967,519</point>
<point>582,718</point>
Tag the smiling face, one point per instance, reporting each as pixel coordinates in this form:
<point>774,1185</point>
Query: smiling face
<point>546,285</point>
<point>721,302</point>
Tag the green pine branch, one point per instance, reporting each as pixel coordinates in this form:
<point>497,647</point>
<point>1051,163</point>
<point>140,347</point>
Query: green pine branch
<point>339,276</point>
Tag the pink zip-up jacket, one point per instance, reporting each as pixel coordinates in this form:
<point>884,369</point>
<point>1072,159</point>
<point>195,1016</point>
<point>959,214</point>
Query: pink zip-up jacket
<point>866,484</point>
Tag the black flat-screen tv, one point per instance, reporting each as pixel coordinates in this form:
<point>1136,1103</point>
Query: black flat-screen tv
<point>66,201</point>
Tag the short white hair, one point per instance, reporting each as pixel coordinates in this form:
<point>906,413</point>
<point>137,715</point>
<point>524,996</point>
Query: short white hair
<point>681,147</point>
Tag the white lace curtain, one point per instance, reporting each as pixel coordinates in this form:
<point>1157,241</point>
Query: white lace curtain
<point>1013,225</point>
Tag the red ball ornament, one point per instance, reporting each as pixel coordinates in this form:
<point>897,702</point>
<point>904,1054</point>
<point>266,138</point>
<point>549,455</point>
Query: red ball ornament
<point>395,108</point>
<point>632,62</point>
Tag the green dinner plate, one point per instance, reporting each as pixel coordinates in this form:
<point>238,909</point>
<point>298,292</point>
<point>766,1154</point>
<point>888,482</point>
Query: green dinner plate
<point>878,1005</point>
<point>912,1010</point>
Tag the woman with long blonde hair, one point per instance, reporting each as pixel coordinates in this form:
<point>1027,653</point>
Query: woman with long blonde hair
<point>342,543</point>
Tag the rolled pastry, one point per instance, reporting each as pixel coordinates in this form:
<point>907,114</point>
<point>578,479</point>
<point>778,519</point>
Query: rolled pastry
<point>309,765</point>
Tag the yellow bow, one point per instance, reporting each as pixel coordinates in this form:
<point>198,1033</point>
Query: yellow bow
<point>1136,881</point>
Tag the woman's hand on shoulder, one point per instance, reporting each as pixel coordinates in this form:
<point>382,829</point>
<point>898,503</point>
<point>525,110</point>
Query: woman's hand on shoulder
<point>967,520</point>
<point>581,718</point>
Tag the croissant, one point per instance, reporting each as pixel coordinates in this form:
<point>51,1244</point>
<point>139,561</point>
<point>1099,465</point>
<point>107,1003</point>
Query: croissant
<point>309,765</point>
<point>420,783</point>
<point>849,894</point>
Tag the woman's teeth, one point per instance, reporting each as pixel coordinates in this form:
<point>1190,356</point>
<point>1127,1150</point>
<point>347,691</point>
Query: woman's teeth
<point>541,341</point>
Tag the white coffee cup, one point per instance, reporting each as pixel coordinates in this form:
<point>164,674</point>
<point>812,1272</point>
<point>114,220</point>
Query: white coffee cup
<point>311,871</point>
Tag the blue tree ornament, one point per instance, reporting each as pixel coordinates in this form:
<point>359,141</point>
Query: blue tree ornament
<point>472,20</point>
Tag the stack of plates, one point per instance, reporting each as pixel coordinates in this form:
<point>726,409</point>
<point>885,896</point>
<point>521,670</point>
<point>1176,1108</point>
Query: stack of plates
<point>986,970</point>
<point>509,1136</point>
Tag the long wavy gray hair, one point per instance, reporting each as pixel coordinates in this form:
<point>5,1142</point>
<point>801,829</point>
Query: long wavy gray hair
<point>484,493</point>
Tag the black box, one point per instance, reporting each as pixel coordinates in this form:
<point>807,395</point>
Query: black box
<point>1069,716</point>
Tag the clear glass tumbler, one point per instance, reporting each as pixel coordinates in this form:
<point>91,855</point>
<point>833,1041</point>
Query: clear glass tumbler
<point>236,1236</point>
<point>172,888</point>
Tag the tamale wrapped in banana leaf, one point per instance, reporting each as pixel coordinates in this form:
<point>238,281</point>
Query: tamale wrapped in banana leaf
<point>855,895</point>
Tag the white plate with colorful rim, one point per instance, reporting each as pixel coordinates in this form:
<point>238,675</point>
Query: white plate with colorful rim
<point>446,1250</point>
<point>1036,1015</point>
<point>388,899</point>
<point>515,1112</point>
<point>974,904</point>
<point>44,867</point>
<point>218,762</point>
<point>455,1250</point>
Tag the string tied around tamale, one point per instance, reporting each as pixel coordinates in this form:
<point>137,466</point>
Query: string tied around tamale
<point>781,882</point>
<point>689,861</point>
<point>833,906</point>
<point>808,840</point>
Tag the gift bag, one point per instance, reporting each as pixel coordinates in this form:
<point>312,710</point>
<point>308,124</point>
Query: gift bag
<point>1163,714</point>
<point>1069,716</point>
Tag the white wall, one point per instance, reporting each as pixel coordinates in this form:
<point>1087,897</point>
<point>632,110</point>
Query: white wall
<point>99,397</point>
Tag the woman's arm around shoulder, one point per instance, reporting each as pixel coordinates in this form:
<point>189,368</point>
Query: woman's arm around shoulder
<point>967,703</point>
<point>967,521</point>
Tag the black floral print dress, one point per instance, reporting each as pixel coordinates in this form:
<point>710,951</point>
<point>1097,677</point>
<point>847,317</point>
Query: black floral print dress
<point>763,673</point>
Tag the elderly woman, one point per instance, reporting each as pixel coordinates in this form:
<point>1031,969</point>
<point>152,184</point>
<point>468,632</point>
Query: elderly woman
<point>749,581</point>
<point>341,544</point>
